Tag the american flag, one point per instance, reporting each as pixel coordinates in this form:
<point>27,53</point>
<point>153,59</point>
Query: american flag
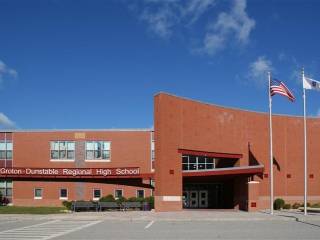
<point>278,87</point>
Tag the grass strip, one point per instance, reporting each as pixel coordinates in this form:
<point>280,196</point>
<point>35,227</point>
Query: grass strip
<point>31,210</point>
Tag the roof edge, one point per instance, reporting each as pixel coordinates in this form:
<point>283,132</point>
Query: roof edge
<point>232,108</point>
<point>80,130</point>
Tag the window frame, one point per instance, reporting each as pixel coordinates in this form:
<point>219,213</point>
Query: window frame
<point>137,195</point>
<point>101,159</point>
<point>7,150</point>
<point>93,194</point>
<point>118,189</point>
<point>5,188</point>
<point>186,163</point>
<point>152,151</point>
<point>34,193</point>
<point>62,159</point>
<point>63,198</point>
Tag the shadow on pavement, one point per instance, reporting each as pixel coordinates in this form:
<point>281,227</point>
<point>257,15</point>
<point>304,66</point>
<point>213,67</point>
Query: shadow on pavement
<point>301,221</point>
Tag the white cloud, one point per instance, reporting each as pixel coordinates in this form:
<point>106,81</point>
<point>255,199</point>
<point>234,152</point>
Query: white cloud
<point>234,24</point>
<point>6,72</point>
<point>162,16</point>
<point>160,22</point>
<point>166,18</point>
<point>212,43</point>
<point>194,9</point>
<point>6,122</point>
<point>258,70</point>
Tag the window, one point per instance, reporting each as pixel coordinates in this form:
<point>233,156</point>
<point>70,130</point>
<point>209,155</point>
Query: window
<point>63,193</point>
<point>118,193</point>
<point>6,188</point>
<point>62,150</point>
<point>98,150</point>
<point>140,193</point>
<point>38,193</point>
<point>96,194</point>
<point>201,163</point>
<point>152,151</point>
<point>6,149</point>
<point>190,162</point>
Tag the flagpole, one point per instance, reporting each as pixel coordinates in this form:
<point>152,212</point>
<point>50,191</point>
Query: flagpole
<point>305,146</point>
<point>271,150</point>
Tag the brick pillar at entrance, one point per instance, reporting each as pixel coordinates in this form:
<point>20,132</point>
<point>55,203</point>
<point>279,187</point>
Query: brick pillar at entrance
<point>253,196</point>
<point>168,174</point>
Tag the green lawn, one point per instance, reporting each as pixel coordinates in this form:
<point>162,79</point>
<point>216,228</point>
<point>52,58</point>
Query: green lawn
<point>31,210</point>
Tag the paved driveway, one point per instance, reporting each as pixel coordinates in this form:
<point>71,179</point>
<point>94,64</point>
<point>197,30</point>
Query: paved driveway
<point>137,225</point>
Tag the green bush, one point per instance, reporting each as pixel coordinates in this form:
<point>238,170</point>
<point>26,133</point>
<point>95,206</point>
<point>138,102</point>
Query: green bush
<point>278,204</point>
<point>150,200</point>
<point>121,200</point>
<point>296,205</point>
<point>135,199</point>
<point>108,198</point>
<point>287,206</point>
<point>316,205</point>
<point>67,204</point>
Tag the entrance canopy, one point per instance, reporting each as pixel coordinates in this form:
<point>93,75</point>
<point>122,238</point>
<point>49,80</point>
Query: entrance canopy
<point>210,154</point>
<point>247,170</point>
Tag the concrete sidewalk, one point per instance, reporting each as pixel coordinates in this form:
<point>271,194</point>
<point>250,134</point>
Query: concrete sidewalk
<point>188,215</point>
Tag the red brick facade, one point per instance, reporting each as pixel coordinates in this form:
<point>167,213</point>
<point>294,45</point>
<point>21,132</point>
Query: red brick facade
<point>32,150</point>
<point>188,124</point>
<point>182,126</point>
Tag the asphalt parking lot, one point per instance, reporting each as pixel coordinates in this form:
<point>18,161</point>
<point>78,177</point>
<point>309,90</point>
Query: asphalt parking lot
<point>160,226</point>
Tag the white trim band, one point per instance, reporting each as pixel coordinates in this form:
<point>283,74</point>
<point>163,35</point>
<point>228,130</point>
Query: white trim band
<point>171,198</point>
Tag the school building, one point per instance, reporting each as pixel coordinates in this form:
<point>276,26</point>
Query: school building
<point>199,155</point>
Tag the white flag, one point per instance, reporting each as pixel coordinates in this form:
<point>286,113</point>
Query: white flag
<point>309,83</point>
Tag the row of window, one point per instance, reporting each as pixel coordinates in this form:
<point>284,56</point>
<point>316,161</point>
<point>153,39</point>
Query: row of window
<point>197,163</point>
<point>96,193</point>
<point>94,150</point>
<point>65,150</point>
<point>5,149</point>
<point>191,162</point>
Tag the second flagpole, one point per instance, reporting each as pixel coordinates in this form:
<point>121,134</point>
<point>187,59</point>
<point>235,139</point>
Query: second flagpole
<point>305,147</point>
<point>271,149</point>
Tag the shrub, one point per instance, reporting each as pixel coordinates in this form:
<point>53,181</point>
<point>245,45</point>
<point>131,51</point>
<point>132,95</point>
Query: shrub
<point>287,206</point>
<point>135,199</point>
<point>4,201</point>
<point>150,200</point>
<point>278,204</point>
<point>296,205</point>
<point>316,205</point>
<point>67,204</point>
<point>121,200</point>
<point>108,198</point>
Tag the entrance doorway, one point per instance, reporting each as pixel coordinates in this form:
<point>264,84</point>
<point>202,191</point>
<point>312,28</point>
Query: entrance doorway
<point>195,199</point>
<point>208,195</point>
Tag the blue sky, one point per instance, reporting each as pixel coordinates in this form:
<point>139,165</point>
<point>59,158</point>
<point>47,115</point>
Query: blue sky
<point>97,64</point>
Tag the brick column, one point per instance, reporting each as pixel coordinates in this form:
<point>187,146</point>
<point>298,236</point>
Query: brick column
<point>253,196</point>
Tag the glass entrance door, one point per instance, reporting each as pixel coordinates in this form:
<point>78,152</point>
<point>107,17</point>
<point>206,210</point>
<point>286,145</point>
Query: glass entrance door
<point>203,199</point>
<point>193,202</point>
<point>186,199</point>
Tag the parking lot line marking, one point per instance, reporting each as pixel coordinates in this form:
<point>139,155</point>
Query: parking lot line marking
<point>73,230</point>
<point>34,225</point>
<point>149,224</point>
<point>46,230</point>
<point>12,221</point>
